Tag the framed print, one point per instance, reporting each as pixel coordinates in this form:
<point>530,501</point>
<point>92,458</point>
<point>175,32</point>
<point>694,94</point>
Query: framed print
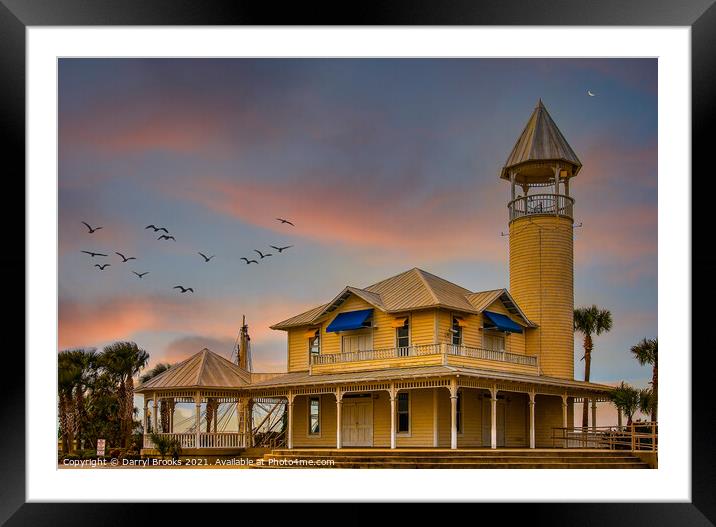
<point>273,256</point>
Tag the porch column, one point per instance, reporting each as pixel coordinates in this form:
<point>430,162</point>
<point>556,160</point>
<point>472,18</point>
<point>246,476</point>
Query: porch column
<point>594,414</point>
<point>532,419</point>
<point>493,417</point>
<point>197,418</point>
<point>435,417</point>
<point>339,422</point>
<point>156,414</point>
<point>216,414</point>
<point>289,442</point>
<point>564,411</point>
<point>619,418</point>
<point>392,394</point>
<point>453,414</point>
<point>146,416</point>
<point>171,416</point>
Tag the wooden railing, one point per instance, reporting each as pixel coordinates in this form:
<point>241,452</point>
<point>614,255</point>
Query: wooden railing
<point>637,436</point>
<point>423,350</point>
<point>387,353</point>
<point>210,440</point>
<point>557,204</point>
<point>486,354</point>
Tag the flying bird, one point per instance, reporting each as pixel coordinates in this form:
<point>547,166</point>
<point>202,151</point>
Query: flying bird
<point>285,221</point>
<point>248,261</point>
<point>102,267</point>
<point>183,289</point>
<point>124,258</point>
<point>262,255</point>
<point>590,93</point>
<point>93,254</point>
<point>156,228</point>
<point>206,258</point>
<point>165,237</point>
<point>280,249</point>
<point>91,230</point>
<point>140,275</point>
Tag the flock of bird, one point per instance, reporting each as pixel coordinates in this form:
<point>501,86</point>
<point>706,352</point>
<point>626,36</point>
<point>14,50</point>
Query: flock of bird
<point>167,236</point>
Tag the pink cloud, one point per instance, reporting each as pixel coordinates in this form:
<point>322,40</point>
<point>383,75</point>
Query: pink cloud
<point>440,225</point>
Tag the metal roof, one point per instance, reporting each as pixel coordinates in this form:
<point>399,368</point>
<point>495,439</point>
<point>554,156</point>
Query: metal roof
<point>205,369</point>
<point>408,291</point>
<point>541,140</point>
<point>304,378</point>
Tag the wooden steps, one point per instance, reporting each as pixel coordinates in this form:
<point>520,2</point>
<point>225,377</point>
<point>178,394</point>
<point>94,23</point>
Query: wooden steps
<point>440,458</point>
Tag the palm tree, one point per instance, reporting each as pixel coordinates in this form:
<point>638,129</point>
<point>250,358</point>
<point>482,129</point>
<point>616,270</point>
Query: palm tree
<point>626,399</point>
<point>84,363</point>
<point>647,352</point>
<point>124,360</point>
<point>647,401</point>
<point>67,376</point>
<point>590,321</point>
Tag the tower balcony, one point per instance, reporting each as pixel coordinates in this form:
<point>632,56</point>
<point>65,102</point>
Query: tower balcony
<point>541,204</point>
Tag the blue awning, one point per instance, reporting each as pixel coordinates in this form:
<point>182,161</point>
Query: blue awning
<point>350,320</point>
<point>503,322</point>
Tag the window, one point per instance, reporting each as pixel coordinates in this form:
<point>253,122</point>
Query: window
<point>402,335</point>
<point>403,412</point>
<point>494,341</point>
<point>314,343</point>
<point>458,418</point>
<point>456,331</point>
<point>314,416</point>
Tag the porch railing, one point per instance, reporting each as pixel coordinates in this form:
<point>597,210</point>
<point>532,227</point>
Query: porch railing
<point>206,440</point>
<point>557,204</point>
<point>424,350</point>
<point>387,353</point>
<point>637,436</point>
<point>487,354</point>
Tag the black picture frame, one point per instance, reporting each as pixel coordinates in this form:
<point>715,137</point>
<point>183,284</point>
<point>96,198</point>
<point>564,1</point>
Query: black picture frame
<point>16,15</point>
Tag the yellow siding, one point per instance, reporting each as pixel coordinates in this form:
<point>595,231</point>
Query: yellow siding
<point>444,324</point>
<point>327,437</point>
<point>379,364</point>
<point>548,414</point>
<point>422,327</point>
<point>297,349</point>
<point>471,362</point>
<point>541,281</point>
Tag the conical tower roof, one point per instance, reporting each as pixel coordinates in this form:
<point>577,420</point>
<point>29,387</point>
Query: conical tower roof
<point>541,140</point>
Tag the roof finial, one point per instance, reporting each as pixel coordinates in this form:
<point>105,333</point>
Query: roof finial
<point>539,103</point>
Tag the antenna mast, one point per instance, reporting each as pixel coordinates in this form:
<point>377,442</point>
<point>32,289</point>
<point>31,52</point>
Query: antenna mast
<point>244,351</point>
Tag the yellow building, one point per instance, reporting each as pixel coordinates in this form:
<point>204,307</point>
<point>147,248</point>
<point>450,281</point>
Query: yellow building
<point>418,361</point>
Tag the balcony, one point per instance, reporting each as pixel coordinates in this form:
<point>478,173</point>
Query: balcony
<point>536,204</point>
<point>424,355</point>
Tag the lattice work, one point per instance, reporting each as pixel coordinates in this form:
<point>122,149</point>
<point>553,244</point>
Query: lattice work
<point>422,383</point>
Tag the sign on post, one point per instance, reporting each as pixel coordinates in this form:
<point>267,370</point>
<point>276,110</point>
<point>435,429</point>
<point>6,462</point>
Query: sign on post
<point>100,447</point>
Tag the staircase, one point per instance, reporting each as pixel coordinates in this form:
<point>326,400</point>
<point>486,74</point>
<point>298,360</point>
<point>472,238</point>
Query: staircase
<point>443,458</point>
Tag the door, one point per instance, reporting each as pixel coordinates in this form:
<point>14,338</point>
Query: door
<point>487,422</point>
<point>357,423</point>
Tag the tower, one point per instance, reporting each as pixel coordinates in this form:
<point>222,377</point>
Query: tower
<point>539,170</point>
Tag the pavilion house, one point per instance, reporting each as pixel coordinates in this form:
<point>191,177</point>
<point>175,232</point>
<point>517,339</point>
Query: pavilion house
<point>416,360</point>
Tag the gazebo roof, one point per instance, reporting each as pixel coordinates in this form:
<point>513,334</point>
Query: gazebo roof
<point>205,369</point>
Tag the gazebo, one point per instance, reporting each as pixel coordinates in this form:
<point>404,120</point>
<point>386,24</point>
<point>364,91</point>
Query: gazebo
<point>213,384</point>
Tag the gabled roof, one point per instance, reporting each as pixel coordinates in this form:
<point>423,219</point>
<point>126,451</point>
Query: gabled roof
<point>541,140</point>
<point>408,291</point>
<point>483,299</point>
<point>205,369</point>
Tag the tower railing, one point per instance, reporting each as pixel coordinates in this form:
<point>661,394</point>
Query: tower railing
<point>541,204</point>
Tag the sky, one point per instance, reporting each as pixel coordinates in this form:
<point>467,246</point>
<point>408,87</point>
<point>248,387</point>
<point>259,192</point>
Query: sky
<point>382,164</point>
